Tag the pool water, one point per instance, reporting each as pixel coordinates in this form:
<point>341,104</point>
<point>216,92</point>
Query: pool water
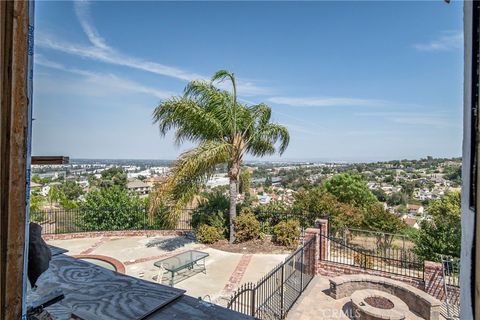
<point>100,263</point>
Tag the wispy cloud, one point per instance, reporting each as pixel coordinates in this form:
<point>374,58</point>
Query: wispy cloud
<point>105,79</point>
<point>439,119</point>
<point>448,40</point>
<point>99,50</point>
<point>327,102</point>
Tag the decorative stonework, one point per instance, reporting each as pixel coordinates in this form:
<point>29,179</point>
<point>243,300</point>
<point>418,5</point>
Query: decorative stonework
<point>417,300</point>
<point>237,275</point>
<point>361,310</point>
<point>124,233</point>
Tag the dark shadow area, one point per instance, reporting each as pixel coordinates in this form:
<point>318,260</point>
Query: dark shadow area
<point>169,244</point>
<point>348,310</point>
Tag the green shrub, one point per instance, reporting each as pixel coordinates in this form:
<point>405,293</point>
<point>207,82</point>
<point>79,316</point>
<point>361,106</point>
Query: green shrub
<point>112,208</point>
<point>215,219</point>
<point>363,260</point>
<point>247,226</point>
<point>213,211</point>
<point>286,233</point>
<point>207,234</point>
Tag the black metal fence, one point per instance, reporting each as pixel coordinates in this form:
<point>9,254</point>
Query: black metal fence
<point>451,287</point>
<point>389,260</point>
<point>58,221</point>
<point>274,295</point>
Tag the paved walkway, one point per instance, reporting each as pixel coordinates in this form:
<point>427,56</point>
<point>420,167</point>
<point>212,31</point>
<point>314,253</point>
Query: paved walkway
<point>316,303</point>
<point>225,271</point>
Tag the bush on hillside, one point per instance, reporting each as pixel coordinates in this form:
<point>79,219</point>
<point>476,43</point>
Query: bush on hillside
<point>247,226</point>
<point>207,234</point>
<point>286,233</point>
<point>213,211</point>
<point>363,260</point>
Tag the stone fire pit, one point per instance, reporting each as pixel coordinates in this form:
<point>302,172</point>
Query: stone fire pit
<point>371,304</point>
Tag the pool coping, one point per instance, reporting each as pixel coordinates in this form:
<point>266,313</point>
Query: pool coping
<point>119,266</point>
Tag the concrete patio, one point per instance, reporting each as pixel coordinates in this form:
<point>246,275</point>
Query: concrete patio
<point>225,270</point>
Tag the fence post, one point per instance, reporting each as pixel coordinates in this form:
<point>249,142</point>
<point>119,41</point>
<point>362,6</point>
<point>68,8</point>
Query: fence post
<point>320,247</point>
<point>55,224</point>
<point>303,268</point>
<point>282,293</point>
<point>252,303</point>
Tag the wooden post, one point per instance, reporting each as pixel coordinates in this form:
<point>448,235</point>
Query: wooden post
<point>16,43</point>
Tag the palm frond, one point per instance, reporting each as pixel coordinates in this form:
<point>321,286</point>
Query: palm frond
<point>189,173</point>
<point>265,138</point>
<point>221,75</point>
<point>191,121</point>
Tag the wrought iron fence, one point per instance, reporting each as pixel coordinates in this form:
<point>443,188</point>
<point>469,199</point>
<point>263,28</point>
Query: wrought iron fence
<point>268,220</point>
<point>451,287</point>
<point>375,240</point>
<point>274,295</point>
<point>58,221</point>
<point>389,260</point>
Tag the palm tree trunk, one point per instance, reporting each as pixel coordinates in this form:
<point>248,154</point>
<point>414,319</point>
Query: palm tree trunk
<point>233,208</point>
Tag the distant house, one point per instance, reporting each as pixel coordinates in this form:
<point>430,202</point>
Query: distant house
<point>139,187</point>
<point>265,199</point>
<point>154,181</point>
<point>411,222</point>
<point>276,181</point>
<point>415,209</point>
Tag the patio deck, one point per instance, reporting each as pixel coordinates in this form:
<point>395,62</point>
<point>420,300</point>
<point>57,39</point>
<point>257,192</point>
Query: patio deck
<point>316,303</point>
<point>225,270</point>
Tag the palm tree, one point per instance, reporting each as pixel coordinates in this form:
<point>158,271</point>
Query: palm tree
<point>224,130</point>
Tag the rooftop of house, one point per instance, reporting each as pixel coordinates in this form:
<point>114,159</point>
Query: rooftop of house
<point>136,184</point>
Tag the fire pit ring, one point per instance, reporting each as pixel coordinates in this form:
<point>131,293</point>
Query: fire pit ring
<point>371,304</point>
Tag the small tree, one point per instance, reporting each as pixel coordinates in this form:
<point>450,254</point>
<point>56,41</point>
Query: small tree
<point>316,202</point>
<point>245,181</point>
<point>352,189</point>
<point>376,218</point>
<point>71,190</point>
<point>114,176</point>
<point>54,195</point>
<point>112,208</point>
<point>442,234</point>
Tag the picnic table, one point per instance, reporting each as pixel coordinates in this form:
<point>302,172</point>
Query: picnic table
<point>185,260</point>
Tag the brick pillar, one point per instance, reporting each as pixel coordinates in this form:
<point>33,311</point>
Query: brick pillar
<point>322,224</point>
<point>314,252</point>
<point>321,246</point>
<point>433,276</point>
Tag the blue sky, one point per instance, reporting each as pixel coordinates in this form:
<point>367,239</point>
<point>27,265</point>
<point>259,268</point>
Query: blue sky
<point>353,81</point>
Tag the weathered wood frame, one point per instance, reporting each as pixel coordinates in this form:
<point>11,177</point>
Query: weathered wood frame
<point>470,254</point>
<point>15,130</point>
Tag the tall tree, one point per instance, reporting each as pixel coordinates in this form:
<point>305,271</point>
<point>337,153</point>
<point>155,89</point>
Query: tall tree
<point>224,130</point>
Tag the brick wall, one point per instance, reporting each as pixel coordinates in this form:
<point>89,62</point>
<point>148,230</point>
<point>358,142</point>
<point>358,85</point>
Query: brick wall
<point>331,269</point>
<point>434,279</point>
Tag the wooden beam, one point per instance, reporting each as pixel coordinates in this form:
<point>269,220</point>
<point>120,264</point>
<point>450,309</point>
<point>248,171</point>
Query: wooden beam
<point>50,160</point>
<point>15,130</point>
